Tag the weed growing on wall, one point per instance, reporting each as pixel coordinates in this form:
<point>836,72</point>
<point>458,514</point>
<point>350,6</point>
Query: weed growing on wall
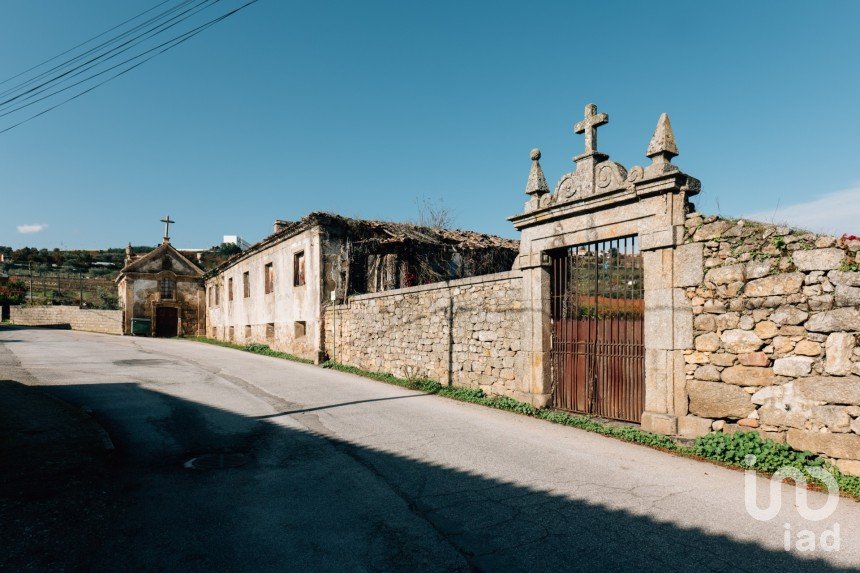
<point>733,449</point>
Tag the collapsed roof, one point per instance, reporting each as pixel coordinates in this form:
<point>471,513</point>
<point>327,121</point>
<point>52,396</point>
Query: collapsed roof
<point>378,232</point>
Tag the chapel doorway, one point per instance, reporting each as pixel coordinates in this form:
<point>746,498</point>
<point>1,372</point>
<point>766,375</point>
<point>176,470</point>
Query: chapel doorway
<point>166,321</point>
<point>597,309</point>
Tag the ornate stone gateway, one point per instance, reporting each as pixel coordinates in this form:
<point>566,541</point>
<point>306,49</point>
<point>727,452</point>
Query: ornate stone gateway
<point>587,339</point>
<point>597,310</point>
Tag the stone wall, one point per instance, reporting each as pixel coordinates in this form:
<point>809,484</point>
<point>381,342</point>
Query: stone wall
<point>465,332</point>
<point>776,321</point>
<point>92,320</point>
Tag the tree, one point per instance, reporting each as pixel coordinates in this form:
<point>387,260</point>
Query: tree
<point>229,249</point>
<point>12,292</point>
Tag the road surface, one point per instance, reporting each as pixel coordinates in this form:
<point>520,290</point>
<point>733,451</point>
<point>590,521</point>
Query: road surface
<point>337,472</point>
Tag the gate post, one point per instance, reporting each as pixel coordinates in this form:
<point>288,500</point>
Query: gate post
<point>601,200</point>
<point>536,384</point>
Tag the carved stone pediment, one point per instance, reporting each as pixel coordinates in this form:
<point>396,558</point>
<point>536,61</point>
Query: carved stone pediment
<point>597,177</point>
<point>586,181</point>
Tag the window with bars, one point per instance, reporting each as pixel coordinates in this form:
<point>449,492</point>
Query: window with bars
<point>246,284</point>
<point>230,289</point>
<point>167,288</point>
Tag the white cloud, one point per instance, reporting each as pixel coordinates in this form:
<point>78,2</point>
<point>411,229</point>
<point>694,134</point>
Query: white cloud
<point>30,229</point>
<point>834,214</point>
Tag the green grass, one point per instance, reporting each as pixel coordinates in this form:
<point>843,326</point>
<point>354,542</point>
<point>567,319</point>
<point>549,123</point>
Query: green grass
<point>724,449</point>
<point>477,396</point>
<point>253,348</point>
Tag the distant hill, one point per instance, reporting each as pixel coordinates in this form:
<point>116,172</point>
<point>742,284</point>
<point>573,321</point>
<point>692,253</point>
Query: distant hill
<point>94,263</point>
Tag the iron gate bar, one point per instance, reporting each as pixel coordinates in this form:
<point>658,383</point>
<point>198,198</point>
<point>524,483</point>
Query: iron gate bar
<point>597,306</point>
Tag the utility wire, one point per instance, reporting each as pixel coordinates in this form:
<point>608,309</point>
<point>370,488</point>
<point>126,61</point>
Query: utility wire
<point>176,41</point>
<point>89,67</point>
<point>84,43</point>
<point>70,61</point>
<point>122,63</point>
<point>181,17</point>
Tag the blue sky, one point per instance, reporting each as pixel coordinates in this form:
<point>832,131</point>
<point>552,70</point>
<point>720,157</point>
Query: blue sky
<point>363,107</point>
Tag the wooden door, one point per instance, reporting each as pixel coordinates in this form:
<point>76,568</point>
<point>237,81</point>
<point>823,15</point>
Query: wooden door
<point>166,321</point>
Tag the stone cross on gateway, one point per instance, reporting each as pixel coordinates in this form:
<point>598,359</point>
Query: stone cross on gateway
<point>589,126</point>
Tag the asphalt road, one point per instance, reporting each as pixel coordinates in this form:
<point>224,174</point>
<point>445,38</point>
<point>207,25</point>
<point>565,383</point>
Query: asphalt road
<point>343,473</point>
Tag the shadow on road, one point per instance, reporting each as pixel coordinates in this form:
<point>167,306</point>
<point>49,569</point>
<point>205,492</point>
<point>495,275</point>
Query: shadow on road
<point>339,405</point>
<point>309,500</point>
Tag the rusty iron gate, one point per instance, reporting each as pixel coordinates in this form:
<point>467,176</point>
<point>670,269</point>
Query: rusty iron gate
<point>597,353</point>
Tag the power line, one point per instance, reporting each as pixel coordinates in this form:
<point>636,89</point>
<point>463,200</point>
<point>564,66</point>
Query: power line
<point>84,43</point>
<point>70,61</point>
<point>181,17</point>
<point>84,67</point>
<point>172,44</point>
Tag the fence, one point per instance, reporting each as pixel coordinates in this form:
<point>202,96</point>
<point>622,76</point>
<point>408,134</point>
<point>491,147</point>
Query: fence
<point>65,288</point>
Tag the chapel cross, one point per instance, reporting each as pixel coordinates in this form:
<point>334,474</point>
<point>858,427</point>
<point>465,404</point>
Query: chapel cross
<point>167,221</point>
<point>589,126</point>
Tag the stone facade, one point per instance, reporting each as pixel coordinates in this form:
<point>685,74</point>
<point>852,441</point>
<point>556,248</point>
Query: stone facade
<point>340,257</point>
<point>465,332</point>
<point>91,320</point>
<point>286,314</point>
<point>776,325</point>
<point>164,287</point>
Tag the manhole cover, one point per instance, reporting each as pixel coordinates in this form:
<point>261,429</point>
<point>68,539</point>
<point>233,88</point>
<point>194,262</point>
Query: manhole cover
<point>216,461</point>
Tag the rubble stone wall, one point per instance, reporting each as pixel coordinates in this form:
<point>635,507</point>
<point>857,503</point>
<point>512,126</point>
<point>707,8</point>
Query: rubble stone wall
<point>464,332</point>
<point>776,323</point>
<point>91,320</point>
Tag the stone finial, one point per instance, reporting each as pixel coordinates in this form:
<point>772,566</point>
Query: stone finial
<point>589,126</point>
<point>536,185</point>
<point>662,147</point>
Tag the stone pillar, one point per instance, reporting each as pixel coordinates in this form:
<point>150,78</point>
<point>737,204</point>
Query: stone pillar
<point>668,332</point>
<point>537,380</point>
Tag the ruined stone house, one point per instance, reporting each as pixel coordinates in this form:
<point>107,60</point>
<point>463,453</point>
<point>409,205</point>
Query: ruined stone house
<point>276,291</point>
